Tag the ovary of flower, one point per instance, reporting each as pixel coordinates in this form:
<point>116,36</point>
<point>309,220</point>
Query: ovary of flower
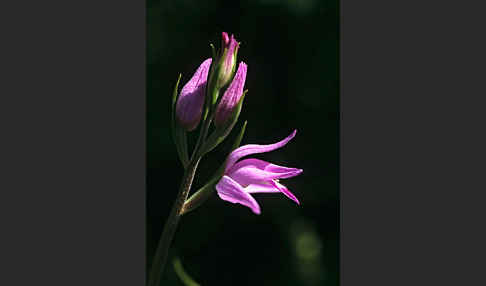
<point>248,176</point>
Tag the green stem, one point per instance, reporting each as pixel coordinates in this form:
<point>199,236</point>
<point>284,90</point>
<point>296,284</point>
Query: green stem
<point>162,251</point>
<point>202,137</point>
<point>200,196</point>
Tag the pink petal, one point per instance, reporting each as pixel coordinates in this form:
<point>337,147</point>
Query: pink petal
<point>285,191</point>
<point>251,171</point>
<point>231,191</point>
<point>261,188</point>
<point>254,148</point>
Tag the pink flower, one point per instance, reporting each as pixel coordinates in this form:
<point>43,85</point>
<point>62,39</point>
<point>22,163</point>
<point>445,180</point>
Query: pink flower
<point>231,97</point>
<point>191,99</point>
<point>243,178</point>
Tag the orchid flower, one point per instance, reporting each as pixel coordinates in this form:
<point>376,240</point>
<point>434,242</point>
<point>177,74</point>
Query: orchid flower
<point>243,178</point>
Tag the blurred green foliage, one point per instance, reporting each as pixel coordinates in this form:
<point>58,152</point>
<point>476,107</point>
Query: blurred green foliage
<point>292,51</point>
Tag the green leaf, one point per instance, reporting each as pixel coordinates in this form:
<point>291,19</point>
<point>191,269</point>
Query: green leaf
<point>237,142</point>
<point>182,274</point>
<point>174,100</point>
<point>178,134</point>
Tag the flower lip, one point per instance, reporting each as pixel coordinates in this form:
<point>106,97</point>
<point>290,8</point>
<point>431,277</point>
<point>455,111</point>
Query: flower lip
<point>285,191</point>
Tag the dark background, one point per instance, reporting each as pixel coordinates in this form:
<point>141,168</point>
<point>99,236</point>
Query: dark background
<point>291,48</point>
<point>73,186</point>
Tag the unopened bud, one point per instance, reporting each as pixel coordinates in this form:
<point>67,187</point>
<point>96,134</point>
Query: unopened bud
<point>231,97</point>
<point>227,61</point>
<point>191,99</point>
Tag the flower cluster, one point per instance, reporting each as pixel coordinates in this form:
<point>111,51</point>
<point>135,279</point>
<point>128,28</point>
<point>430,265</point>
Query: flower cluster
<point>198,101</point>
<point>191,99</point>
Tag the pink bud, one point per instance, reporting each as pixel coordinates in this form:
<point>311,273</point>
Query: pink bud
<point>225,39</point>
<point>229,50</point>
<point>231,97</point>
<point>191,99</point>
